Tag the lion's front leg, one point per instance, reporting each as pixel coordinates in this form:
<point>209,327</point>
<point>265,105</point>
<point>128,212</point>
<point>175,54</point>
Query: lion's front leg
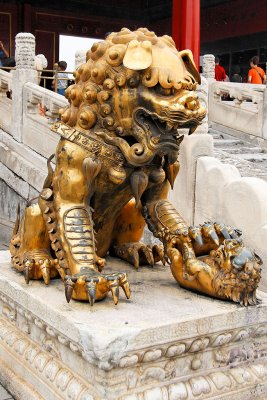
<point>226,269</point>
<point>71,227</point>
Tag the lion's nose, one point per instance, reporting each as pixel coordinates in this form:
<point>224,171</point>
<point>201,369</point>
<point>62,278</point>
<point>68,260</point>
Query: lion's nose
<point>192,105</point>
<point>190,102</point>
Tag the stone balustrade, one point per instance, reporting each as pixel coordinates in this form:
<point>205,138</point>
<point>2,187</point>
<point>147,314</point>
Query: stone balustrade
<point>221,194</point>
<point>5,101</point>
<point>239,108</point>
<point>36,128</point>
<point>5,82</point>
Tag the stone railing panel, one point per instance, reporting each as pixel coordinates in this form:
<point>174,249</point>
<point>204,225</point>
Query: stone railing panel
<point>183,194</point>
<point>243,111</point>
<point>212,177</point>
<point>223,195</point>
<point>5,82</point>
<point>5,101</point>
<point>36,128</point>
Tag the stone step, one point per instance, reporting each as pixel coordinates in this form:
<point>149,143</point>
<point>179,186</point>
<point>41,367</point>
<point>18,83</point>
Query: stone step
<point>243,150</point>
<point>255,158</point>
<point>219,135</point>
<point>227,142</point>
<point>245,167</point>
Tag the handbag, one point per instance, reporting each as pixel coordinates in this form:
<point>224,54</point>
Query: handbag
<point>259,74</point>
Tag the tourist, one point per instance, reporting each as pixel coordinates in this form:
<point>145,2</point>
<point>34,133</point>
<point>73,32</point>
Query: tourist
<point>220,74</point>
<point>256,74</point>
<point>236,77</point>
<point>4,54</point>
<point>61,83</point>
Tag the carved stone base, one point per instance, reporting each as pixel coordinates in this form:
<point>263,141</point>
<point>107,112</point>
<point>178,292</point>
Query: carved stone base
<point>166,343</point>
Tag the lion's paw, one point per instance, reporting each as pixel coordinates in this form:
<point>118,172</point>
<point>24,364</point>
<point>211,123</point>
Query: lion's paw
<point>40,266</point>
<point>91,286</point>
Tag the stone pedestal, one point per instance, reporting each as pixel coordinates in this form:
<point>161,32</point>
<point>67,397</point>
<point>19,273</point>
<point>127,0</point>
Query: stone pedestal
<point>166,343</point>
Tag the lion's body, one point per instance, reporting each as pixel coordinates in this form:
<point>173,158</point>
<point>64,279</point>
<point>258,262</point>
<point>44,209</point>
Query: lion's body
<point>117,156</point>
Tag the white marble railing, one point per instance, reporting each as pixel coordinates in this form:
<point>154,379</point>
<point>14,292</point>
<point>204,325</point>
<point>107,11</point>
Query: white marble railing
<point>239,106</point>
<point>208,190</point>
<point>5,81</point>
<point>5,101</point>
<point>36,128</point>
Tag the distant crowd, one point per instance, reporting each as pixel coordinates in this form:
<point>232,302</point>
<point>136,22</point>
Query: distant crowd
<point>256,74</point>
<point>56,80</point>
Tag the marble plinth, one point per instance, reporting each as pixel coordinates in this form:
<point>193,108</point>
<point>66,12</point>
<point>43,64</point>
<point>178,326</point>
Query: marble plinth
<point>166,343</point>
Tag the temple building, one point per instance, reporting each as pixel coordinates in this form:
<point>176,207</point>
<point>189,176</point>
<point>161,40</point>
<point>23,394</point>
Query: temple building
<point>233,29</point>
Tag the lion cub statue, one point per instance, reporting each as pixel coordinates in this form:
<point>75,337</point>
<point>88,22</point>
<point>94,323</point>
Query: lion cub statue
<point>115,162</point>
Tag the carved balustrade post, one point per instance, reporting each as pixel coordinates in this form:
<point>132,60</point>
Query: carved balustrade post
<point>25,72</point>
<point>80,58</point>
<point>208,68</point>
<point>203,96</point>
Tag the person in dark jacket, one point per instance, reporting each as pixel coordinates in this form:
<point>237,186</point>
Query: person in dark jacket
<point>4,54</point>
<point>236,77</point>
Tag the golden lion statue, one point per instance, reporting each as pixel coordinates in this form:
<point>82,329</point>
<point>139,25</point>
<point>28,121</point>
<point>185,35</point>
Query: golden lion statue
<point>115,161</point>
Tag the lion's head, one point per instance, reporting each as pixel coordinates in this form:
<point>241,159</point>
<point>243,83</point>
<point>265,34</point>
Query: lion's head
<point>238,272</point>
<point>135,91</point>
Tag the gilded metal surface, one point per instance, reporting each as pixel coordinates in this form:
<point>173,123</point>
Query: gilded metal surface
<point>224,268</point>
<point>115,162</point>
<point>92,145</point>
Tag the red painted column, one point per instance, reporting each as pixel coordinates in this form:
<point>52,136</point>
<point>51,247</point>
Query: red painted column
<point>177,22</point>
<point>186,26</point>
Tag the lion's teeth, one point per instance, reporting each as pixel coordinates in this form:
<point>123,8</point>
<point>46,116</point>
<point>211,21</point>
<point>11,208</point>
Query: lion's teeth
<point>169,126</point>
<point>192,129</point>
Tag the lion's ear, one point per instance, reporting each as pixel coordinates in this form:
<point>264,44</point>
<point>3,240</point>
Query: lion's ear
<point>138,55</point>
<point>188,60</point>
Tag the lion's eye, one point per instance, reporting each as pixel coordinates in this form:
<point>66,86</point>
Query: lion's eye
<point>162,91</point>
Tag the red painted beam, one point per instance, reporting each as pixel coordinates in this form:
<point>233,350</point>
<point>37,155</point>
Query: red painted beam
<point>233,19</point>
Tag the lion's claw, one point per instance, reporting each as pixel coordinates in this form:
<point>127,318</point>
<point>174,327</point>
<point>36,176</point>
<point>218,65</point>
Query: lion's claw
<point>208,231</point>
<point>195,233</point>
<point>92,286</point>
<point>227,231</point>
<point>212,232</point>
<point>40,268</point>
<point>137,253</point>
<point>69,286</point>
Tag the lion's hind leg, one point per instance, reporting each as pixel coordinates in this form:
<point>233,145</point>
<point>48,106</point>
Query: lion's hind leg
<point>127,243</point>
<point>30,246</point>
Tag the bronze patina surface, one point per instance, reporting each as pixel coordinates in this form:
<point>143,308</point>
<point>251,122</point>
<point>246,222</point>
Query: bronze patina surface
<point>115,162</point>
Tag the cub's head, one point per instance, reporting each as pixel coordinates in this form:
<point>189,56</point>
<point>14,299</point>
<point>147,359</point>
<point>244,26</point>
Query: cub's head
<point>135,91</point>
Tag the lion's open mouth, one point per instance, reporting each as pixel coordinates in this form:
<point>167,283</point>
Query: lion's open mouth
<point>169,121</point>
<point>156,124</point>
